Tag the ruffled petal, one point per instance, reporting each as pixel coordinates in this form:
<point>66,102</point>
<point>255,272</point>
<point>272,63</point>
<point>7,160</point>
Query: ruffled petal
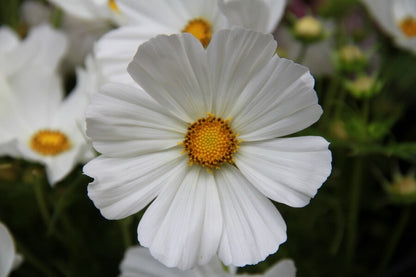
<point>277,102</point>
<point>182,227</point>
<point>287,170</point>
<point>124,122</point>
<point>235,57</point>
<point>124,186</point>
<point>253,228</point>
<point>172,70</point>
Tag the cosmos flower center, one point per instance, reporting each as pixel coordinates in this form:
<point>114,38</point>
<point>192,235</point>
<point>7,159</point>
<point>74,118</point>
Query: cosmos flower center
<point>201,29</point>
<point>49,142</point>
<point>210,141</point>
<point>113,6</point>
<point>408,26</point>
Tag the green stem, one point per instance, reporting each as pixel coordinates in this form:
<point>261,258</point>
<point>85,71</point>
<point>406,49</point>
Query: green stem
<point>64,201</point>
<point>395,238</point>
<point>40,198</point>
<point>302,53</point>
<point>354,208</point>
<point>125,231</point>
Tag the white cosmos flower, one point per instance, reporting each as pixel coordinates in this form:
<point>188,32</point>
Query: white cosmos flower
<point>36,122</point>
<point>90,10</point>
<point>138,262</point>
<point>200,139</point>
<point>9,259</point>
<point>397,18</point>
<point>200,17</point>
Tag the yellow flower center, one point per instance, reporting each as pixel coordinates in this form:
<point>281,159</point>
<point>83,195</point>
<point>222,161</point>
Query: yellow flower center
<point>201,29</point>
<point>49,142</point>
<point>408,26</point>
<point>210,141</point>
<point>113,5</point>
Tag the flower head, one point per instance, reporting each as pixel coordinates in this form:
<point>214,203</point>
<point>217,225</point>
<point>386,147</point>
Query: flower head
<point>200,139</point>
<point>38,123</point>
<point>398,19</point>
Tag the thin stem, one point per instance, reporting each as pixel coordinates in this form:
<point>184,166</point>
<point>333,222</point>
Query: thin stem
<point>354,210</point>
<point>302,53</point>
<point>40,198</point>
<point>125,231</point>
<point>395,238</point>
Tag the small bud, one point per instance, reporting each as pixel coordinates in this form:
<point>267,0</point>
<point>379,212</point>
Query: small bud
<point>363,86</point>
<point>308,29</point>
<point>403,188</point>
<point>350,58</point>
<point>337,129</point>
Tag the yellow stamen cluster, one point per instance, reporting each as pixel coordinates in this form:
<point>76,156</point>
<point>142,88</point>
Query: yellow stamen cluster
<point>113,6</point>
<point>210,141</point>
<point>49,142</point>
<point>201,29</point>
<point>408,26</point>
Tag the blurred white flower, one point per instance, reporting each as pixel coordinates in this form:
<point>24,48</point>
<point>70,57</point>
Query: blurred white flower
<point>81,34</point>
<point>91,10</point>
<point>258,15</point>
<point>200,17</point>
<point>138,262</point>
<point>220,110</point>
<point>9,259</point>
<point>397,18</point>
<point>36,121</point>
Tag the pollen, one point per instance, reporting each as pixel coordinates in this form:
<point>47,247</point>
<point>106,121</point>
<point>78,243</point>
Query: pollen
<point>113,6</point>
<point>210,142</point>
<point>201,29</point>
<point>408,26</point>
<point>49,142</point>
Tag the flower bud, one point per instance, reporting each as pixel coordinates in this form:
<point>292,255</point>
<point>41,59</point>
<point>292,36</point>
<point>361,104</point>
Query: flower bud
<point>308,29</point>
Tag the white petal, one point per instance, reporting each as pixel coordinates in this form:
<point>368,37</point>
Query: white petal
<point>167,13</point>
<point>138,262</point>
<point>38,94</point>
<point>59,166</point>
<point>7,251</point>
<point>124,186</point>
<point>123,121</point>
<point>44,47</point>
<point>182,227</point>
<point>172,69</point>
<point>253,228</point>
<point>235,57</point>
<point>284,268</point>
<point>277,9</point>
<point>8,39</point>
<point>116,49</point>
<point>252,14</point>
<point>287,170</point>
<point>382,10</point>
<point>280,102</point>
